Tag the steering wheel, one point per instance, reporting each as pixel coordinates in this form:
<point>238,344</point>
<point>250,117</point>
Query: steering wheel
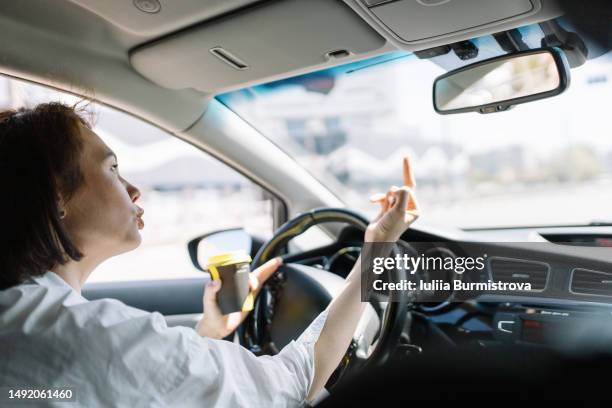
<point>256,331</point>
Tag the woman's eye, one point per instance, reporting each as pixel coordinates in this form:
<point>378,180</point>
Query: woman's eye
<point>115,167</point>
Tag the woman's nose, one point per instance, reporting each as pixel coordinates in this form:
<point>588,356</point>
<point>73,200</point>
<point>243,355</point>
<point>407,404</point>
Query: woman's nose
<point>133,191</point>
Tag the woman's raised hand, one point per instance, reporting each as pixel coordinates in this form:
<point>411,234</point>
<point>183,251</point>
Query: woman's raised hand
<point>399,209</point>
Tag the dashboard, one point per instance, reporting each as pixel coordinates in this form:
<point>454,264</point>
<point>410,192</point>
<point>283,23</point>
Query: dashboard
<point>569,271</point>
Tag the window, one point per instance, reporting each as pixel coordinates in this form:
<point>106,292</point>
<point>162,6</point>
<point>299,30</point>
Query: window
<point>544,163</point>
<point>185,192</point>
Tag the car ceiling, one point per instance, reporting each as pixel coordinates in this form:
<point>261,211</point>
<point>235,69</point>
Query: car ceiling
<point>159,65</point>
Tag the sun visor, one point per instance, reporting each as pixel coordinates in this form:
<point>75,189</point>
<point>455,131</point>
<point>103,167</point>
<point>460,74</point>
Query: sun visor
<point>269,40</point>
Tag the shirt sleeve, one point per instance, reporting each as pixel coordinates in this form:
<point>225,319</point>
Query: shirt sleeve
<point>221,373</point>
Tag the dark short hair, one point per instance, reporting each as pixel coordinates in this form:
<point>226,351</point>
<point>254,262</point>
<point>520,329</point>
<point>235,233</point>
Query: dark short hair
<point>40,150</point>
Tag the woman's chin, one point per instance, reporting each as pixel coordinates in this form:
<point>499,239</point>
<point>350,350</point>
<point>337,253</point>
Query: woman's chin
<point>134,241</point>
<point>137,240</point>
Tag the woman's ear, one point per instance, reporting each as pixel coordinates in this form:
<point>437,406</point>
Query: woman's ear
<point>61,206</point>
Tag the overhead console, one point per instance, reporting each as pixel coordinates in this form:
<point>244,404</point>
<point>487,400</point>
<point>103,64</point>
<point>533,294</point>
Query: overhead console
<point>420,24</point>
<point>430,19</point>
<point>264,41</point>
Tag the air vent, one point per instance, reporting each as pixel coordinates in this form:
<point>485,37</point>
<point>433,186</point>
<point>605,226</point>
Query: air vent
<point>585,282</point>
<point>518,271</point>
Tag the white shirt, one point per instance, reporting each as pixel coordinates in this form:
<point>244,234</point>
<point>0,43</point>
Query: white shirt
<point>115,355</point>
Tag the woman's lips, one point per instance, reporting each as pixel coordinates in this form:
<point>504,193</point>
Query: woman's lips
<point>139,213</point>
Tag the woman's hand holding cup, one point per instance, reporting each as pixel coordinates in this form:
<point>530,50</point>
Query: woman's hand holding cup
<point>217,325</point>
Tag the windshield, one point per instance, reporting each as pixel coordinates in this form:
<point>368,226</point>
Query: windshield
<point>544,163</point>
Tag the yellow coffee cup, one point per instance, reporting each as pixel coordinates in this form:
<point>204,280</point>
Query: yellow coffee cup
<point>232,268</point>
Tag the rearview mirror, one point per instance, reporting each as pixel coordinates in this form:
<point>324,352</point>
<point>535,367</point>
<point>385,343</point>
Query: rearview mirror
<point>498,83</point>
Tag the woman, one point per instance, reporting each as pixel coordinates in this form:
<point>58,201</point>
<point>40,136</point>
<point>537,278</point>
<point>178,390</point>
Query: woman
<point>65,210</point>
